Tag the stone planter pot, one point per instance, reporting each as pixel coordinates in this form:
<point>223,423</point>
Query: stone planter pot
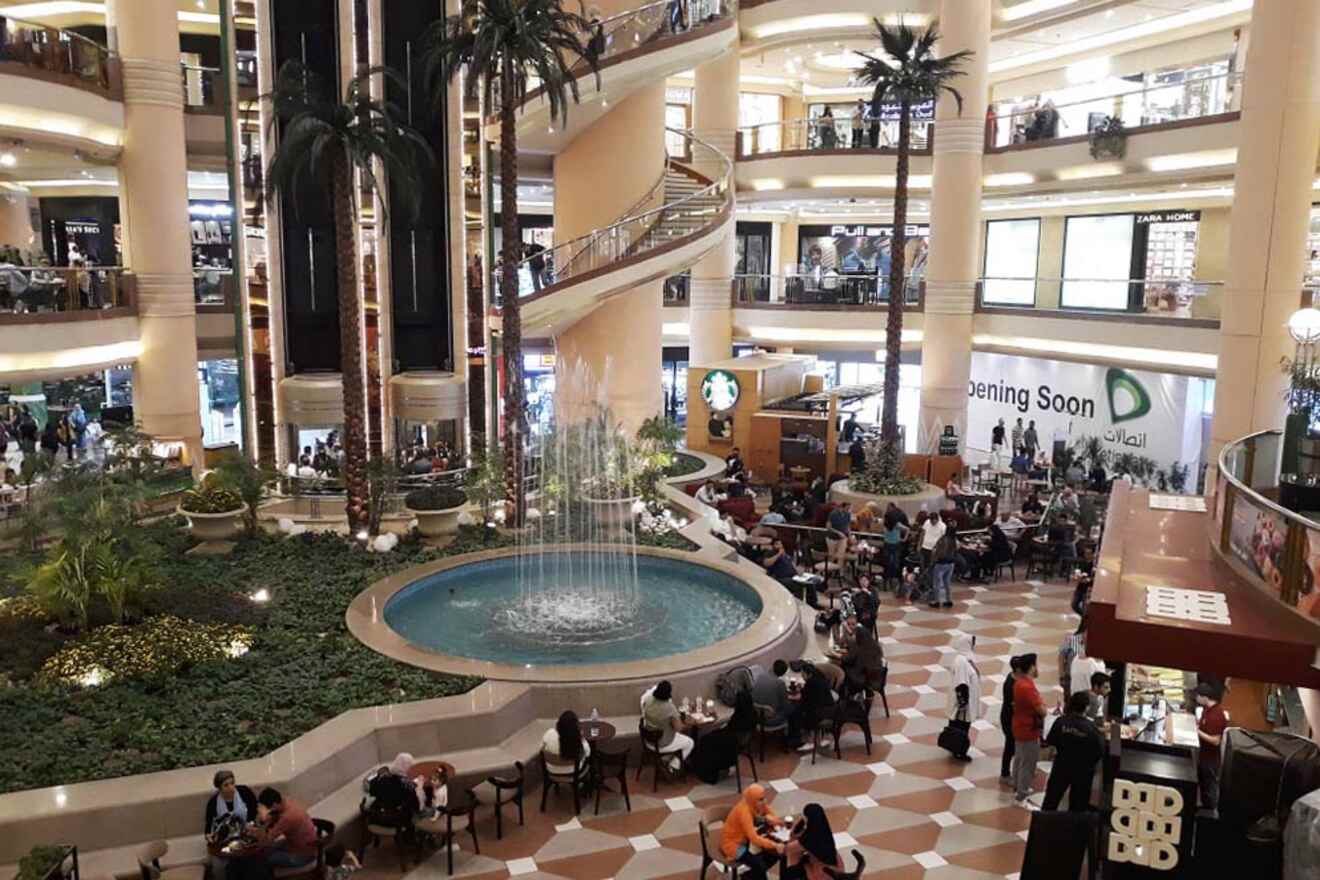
<point>611,513</point>
<point>437,523</point>
<point>213,527</point>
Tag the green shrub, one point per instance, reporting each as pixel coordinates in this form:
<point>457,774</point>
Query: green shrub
<point>162,645</point>
<point>435,498</point>
<point>39,862</point>
<point>212,496</point>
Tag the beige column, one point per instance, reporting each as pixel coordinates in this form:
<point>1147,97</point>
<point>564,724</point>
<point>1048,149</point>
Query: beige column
<point>1280,134</point>
<point>612,355</point>
<point>715,121</point>
<point>955,223</point>
<point>16,222</point>
<point>153,173</point>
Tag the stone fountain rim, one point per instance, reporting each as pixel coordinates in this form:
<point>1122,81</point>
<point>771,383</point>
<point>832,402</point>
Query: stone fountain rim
<point>777,621</point>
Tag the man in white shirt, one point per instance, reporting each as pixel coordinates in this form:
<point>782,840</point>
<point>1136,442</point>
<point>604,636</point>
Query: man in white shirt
<point>709,495</point>
<point>729,530</point>
<point>1011,525</point>
<point>931,531</point>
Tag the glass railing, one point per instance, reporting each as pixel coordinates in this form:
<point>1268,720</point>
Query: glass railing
<point>1167,298</point>
<point>829,288</point>
<point>638,233</point>
<point>213,286</point>
<point>826,134</point>
<point>245,68</point>
<point>1152,105</point>
<point>203,89</point>
<point>628,31</point>
<point>1266,510</point>
<point>63,53</point>
<point>27,290</point>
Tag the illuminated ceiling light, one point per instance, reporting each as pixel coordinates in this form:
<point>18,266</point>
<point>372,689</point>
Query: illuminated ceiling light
<point>1200,15</point>
<point>8,160</point>
<point>869,181</point>
<point>1304,326</point>
<point>1010,178</point>
<point>53,8</point>
<point>1088,71</point>
<point>1188,161</point>
<point>1186,359</point>
<point>1087,172</point>
<point>848,61</point>
<point>811,23</point>
<point>1221,192</point>
<point>1032,7</point>
<point>767,184</point>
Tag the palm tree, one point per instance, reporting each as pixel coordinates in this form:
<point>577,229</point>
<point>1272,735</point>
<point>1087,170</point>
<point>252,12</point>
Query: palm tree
<point>502,43</point>
<point>908,73</point>
<point>326,144</point>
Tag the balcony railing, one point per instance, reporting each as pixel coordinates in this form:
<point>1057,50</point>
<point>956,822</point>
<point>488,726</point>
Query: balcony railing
<point>203,89</point>
<point>827,134</point>
<point>28,291</point>
<point>1172,298</point>
<point>1164,104</point>
<point>826,290</point>
<point>1257,492</point>
<point>31,49</point>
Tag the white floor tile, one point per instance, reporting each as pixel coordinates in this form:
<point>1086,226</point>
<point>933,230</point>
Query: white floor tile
<point>958,783</point>
<point>945,819</point>
<point>924,689</point>
<point>982,724</point>
<point>896,739</point>
<point>881,768</point>
<point>929,860</point>
<point>862,801</point>
<point>520,866</point>
<point>844,839</point>
<point>783,785</point>
<point>911,713</point>
<point>679,803</point>
<point>933,667</point>
<point>643,842</point>
<point>571,825</point>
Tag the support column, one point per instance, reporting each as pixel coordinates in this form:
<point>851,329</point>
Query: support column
<point>612,355</point>
<point>715,121</point>
<point>1268,221</point>
<point>955,225</point>
<point>153,175</point>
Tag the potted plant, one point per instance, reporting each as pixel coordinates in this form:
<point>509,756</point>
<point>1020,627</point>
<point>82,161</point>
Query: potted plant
<point>249,482</point>
<point>214,511</point>
<point>437,509</point>
<point>1108,140</point>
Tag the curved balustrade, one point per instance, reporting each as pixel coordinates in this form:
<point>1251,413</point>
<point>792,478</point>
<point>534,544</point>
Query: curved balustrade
<point>1201,98</point>
<point>26,291</point>
<point>1261,485</point>
<point>31,49</point>
<point>640,233</point>
<point>827,134</point>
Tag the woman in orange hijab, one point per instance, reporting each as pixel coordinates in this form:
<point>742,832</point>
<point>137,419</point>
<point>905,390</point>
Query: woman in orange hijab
<point>741,841</point>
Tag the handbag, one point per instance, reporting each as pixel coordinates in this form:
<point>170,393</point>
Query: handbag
<point>954,737</point>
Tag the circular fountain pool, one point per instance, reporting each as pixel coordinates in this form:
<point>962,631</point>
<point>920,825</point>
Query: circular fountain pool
<point>578,611</point>
<point>562,615</point>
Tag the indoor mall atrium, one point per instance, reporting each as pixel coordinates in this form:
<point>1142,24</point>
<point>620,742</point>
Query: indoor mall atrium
<point>881,438</point>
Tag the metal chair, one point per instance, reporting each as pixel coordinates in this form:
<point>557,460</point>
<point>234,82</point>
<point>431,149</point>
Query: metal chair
<point>653,754</point>
<point>612,765</point>
<point>148,859</point>
<point>765,724</point>
<point>744,750</point>
<point>503,790</point>
<point>325,829</point>
<point>574,779</point>
<point>711,854</point>
<point>448,822</point>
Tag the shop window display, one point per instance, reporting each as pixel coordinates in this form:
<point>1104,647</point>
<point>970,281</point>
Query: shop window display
<point>850,264</point>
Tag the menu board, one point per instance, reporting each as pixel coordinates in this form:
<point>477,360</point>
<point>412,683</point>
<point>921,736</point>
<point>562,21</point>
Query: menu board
<point>1257,537</point>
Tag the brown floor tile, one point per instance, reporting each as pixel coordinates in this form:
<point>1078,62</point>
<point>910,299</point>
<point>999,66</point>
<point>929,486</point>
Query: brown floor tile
<point>843,786</point>
<point>934,800</point>
<point>1003,859</point>
<point>593,866</point>
<point>628,824</point>
<point>918,838</point>
<point>1004,819</point>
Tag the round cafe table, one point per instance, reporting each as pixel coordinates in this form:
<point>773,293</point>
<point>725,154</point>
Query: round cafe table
<point>596,732</point>
<point>425,769</point>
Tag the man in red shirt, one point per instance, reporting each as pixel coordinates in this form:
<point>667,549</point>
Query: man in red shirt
<point>1210,731</point>
<point>289,832</point>
<point>1028,724</point>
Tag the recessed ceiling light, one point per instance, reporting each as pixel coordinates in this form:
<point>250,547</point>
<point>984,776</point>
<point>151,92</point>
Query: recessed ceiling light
<point>8,160</point>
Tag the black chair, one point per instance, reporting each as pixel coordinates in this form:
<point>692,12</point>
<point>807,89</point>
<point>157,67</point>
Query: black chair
<point>501,790</point>
<point>765,725</point>
<point>1010,564</point>
<point>325,829</point>
<point>1044,560</point>
<point>744,750</point>
<point>652,754</point>
<point>611,765</point>
<point>711,854</point>
<point>1057,844</point>
<point>451,820</point>
<point>854,710</point>
<point>574,779</point>
<point>823,726</point>
<point>877,683</point>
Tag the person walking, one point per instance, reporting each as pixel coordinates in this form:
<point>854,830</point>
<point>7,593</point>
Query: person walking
<point>1079,747</point>
<point>50,438</point>
<point>1006,722</point>
<point>896,533</point>
<point>1028,723</point>
<point>1030,440</point>
<point>1016,435</point>
<point>997,435</point>
<point>944,556</point>
<point>965,690</point>
<point>859,125</point>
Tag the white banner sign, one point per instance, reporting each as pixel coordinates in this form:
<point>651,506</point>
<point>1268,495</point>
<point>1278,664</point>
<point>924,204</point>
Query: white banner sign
<point>1130,410</point>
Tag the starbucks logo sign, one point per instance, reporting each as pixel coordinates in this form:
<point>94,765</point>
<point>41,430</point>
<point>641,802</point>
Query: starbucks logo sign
<point>720,390</point>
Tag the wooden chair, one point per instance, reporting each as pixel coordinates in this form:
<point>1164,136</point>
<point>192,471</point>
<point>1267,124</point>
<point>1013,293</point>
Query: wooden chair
<point>612,765</point>
<point>1010,564</point>
<point>501,790</point>
<point>450,821</point>
<point>574,779</point>
<point>148,859</point>
<point>1044,560</point>
<point>652,754</point>
<point>765,724</point>
<point>708,829</point>
<point>325,829</point>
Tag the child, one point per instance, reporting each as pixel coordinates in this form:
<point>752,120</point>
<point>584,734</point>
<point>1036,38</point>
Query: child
<point>340,863</point>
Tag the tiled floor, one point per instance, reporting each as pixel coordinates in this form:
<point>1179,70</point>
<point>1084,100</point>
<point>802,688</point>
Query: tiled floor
<point>912,811</point>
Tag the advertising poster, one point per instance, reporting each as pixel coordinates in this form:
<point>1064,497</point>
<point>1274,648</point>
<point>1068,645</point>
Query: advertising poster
<point>1132,411</point>
<point>1257,536</point>
<point>1308,595</point>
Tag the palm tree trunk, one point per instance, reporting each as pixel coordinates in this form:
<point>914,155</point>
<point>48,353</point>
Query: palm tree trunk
<point>350,345</point>
<point>510,308</point>
<point>897,266</point>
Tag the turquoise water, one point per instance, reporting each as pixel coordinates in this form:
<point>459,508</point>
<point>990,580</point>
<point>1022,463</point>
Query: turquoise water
<point>583,609</point>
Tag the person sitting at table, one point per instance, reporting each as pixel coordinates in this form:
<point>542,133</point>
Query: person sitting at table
<point>953,489</point>
<point>390,795</point>
<point>1062,538</point>
<point>737,487</point>
<point>230,800</point>
<point>1040,469</point>
<point>728,530</point>
<point>1021,462</point>
<point>811,853</point>
<point>1001,550</point>
<point>564,741</point>
<point>816,703</point>
<point>708,494</point>
<point>957,519</point>
<point>868,518</point>
<point>287,830</point>
<point>982,514</point>
<point>862,665</point>
<point>1068,501</point>
<point>717,751</point>
<point>733,463</point>
<point>773,517</point>
<point>1097,480</point>
<point>740,833</point>
<point>660,713</point>
<point>1074,475</point>
<point>1012,526</point>
<point>1032,505</point>
<point>770,690</point>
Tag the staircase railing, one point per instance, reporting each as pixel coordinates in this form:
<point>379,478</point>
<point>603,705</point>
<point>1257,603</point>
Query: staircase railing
<point>636,234</point>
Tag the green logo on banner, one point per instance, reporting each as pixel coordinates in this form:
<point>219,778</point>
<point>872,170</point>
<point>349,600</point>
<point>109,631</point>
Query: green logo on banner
<point>1121,380</point>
